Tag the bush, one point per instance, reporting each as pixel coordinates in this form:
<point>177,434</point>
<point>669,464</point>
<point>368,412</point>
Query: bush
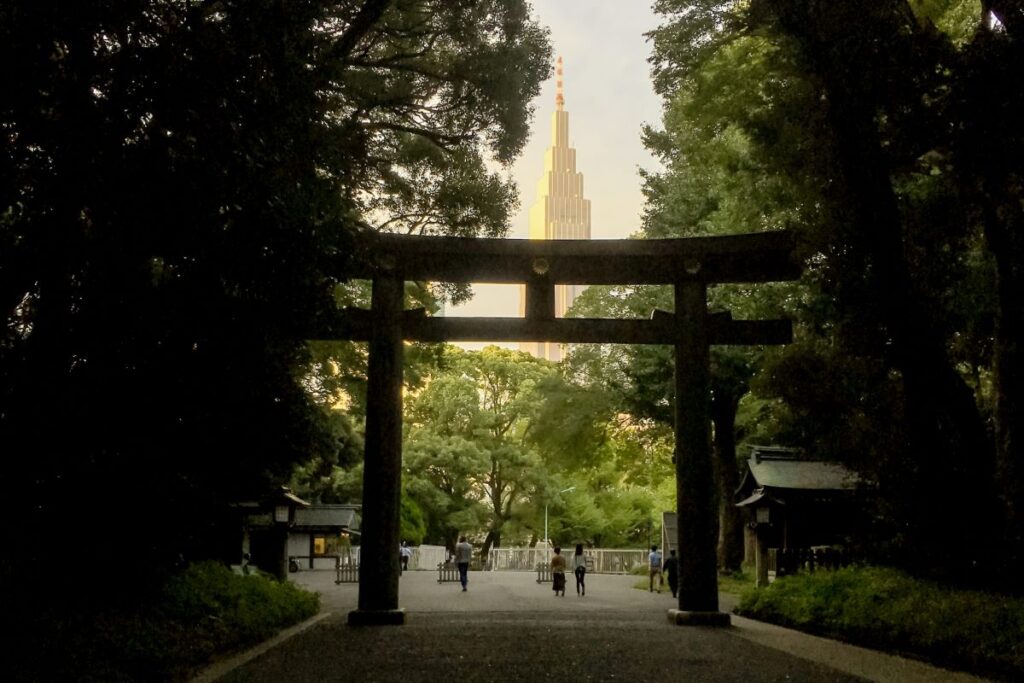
<point>203,612</point>
<point>886,609</point>
<point>233,611</point>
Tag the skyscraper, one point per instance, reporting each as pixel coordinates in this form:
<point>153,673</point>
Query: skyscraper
<point>560,211</point>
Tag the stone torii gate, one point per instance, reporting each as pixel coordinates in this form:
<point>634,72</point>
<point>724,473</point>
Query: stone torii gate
<point>690,265</point>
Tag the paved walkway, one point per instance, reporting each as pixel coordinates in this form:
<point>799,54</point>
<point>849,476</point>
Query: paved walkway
<point>506,627</point>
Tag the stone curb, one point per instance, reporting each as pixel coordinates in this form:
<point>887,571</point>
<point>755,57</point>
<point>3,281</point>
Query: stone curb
<point>218,669</point>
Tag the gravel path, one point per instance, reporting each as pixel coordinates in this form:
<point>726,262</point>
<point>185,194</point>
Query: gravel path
<point>507,627</point>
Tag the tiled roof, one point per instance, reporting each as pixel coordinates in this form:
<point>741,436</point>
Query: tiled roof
<point>327,516</point>
<point>794,473</point>
<point>318,516</point>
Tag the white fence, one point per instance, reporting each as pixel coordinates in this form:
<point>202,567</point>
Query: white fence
<point>603,560</point>
<point>427,557</point>
<point>423,557</point>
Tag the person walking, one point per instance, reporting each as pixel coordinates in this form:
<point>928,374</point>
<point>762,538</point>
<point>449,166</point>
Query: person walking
<point>579,568</point>
<point>558,572</point>
<point>671,570</point>
<point>405,552</point>
<point>463,556</point>
<point>654,564</point>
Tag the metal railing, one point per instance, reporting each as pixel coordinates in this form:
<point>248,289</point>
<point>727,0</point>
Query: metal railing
<point>599,560</point>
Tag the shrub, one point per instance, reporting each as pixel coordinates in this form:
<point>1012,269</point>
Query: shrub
<point>889,610</point>
<point>234,611</point>
<point>204,611</point>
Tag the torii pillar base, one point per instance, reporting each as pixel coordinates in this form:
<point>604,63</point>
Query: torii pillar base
<point>683,617</point>
<point>377,617</point>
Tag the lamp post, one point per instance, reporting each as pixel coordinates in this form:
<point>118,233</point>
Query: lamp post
<point>547,542</point>
<point>283,505</point>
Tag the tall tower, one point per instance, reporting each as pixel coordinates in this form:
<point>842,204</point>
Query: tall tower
<point>560,211</point>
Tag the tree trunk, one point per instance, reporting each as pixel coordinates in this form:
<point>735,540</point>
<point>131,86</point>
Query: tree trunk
<point>730,531</point>
<point>947,437</point>
<point>948,443</point>
<point>1009,407</point>
<point>990,173</point>
<point>493,539</point>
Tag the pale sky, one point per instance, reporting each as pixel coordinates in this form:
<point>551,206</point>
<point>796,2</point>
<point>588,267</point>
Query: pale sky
<point>608,95</point>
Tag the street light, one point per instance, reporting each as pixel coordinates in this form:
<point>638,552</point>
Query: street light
<point>547,542</point>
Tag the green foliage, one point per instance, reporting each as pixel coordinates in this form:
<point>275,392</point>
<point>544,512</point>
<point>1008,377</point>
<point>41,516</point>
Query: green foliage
<point>571,429</point>
<point>887,609</point>
<point>876,170</point>
<point>735,583</point>
<point>202,612</point>
<point>243,610</point>
<point>836,403</point>
<point>335,470</point>
<point>180,186</point>
<point>956,18</point>
<point>632,519</point>
<point>494,437</point>
<point>746,94</point>
<point>412,525</point>
<point>440,474</point>
<point>466,448</point>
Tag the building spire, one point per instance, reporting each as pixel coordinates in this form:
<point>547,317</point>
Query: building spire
<point>561,212</point>
<point>559,96</point>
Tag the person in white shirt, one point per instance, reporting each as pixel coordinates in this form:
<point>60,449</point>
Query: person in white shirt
<point>579,568</point>
<point>405,552</point>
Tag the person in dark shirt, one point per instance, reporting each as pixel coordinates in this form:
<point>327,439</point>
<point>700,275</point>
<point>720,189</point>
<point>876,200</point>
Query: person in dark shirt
<point>672,571</point>
<point>558,572</point>
<point>463,556</point>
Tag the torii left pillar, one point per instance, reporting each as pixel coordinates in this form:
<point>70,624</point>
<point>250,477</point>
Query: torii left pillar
<point>382,473</point>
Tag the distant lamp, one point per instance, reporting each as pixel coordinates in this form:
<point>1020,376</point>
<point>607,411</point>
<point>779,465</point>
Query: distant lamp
<point>283,514</point>
<point>285,503</point>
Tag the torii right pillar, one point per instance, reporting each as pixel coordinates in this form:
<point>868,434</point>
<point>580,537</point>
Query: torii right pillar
<point>695,482</point>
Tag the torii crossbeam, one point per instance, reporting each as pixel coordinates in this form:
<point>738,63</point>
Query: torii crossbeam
<point>689,264</point>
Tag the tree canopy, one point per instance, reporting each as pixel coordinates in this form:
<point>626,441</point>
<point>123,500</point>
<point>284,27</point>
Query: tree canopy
<point>181,183</point>
<point>179,186</point>
<point>496,438</point>
<point>768,125</point>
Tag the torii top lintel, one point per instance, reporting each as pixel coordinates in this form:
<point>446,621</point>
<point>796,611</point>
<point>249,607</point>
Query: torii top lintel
<point>751,257</point>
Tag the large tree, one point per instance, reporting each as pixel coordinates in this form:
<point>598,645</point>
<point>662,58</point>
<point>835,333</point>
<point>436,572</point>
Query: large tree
<point>885,216</point>
<point>878,126</point>
<point>988,152</point>
<point>503,432</point>
<point>179,185</point>
<point>485,401</point>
